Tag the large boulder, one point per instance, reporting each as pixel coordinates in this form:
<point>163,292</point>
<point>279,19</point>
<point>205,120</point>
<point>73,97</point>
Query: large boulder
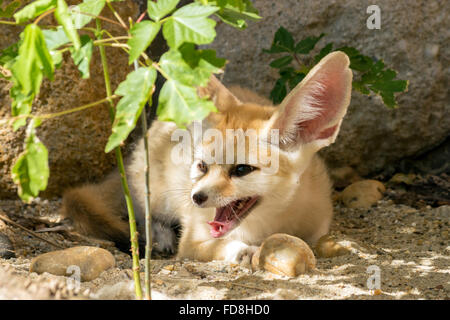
<point>413,40</point>
<point>76,141</point>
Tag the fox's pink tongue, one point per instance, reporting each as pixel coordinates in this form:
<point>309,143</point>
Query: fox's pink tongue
<point>220,225</point>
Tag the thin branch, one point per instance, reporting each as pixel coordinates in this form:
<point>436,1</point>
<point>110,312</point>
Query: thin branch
<point>148,214</point>
<point>57,114</point>
<point>98,17</point>
<point>15,224</point>
<point>123,177</point>
<point>43,15</point>
<point>116,15</point>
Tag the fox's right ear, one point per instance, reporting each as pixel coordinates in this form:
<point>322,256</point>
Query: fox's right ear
<point>312,112</point>
<point>218,94</point>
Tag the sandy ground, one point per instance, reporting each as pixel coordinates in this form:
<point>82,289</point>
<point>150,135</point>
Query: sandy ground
<point>408,246</point>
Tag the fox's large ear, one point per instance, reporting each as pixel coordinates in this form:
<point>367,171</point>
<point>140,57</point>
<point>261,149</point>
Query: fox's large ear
<point>219,94</point>
<point>312,113</point>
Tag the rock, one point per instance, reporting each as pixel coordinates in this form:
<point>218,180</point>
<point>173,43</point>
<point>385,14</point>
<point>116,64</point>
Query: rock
<point>327,247</point>
<point>92,261</point>
<point>284,255</point>
<point>75,142</point>
<point>372,136</point>
<point>362,194</point>
<point>6,247</point>
<point>400,178</point>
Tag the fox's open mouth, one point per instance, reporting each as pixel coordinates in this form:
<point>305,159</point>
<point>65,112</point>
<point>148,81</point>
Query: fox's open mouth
<point>228,217</point>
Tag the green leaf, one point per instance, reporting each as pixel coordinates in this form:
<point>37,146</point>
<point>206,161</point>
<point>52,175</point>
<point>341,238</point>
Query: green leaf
<point>307,44</point>
<point>30,66</point>
<point>136,89</point>
<point>82,57</point>
<point>93,7</point>
<point>296,79</point>
<point>190,24</point>
<point>180,103</point>
<point>55,38</point>
<point>323,52</point>
<point>360,86</point>
<point>358,61</point>
<point>281,62</point>
<point>34,61</point>
<point>279,91</point>
<point>159,9</point>
<point>33,10</point>
<point>282,42</point>
<point>31,170</point>
<point>20,105</point>
<point>175,67</point>
<point>236,12</point>
<point>142,34</point>
<point>64,18</point>
<point>194,57</point>
<point>375,77</point>
<point>9,9</point>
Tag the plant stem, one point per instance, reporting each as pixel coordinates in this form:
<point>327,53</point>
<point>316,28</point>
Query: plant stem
<point>297,60</point>
<point>57,114</point>
<point>123,178</point>
<point>108,3</point>
<point>98,17</point>
<point>43,16</point>
<point>148,213</point>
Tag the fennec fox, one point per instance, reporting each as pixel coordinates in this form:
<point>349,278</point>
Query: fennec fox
<point>227,209</point>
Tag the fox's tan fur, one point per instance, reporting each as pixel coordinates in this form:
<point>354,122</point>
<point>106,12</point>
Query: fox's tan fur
<point>295,200</point>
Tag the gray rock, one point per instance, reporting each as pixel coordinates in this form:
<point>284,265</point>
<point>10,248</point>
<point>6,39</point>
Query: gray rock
<point>91,261</point>
<point>413,40</point>
<point>6,247</point>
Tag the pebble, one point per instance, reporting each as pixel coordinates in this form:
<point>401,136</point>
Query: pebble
<point>327,247</point>
<point>399,178</point>
<point>92,261</point>
<point>6,247</point>
<point>363,194</point>
<point>284,255</point>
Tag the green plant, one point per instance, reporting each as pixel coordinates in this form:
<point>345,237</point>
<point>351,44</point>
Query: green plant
<point>372,76</point>
<point>40,51</point>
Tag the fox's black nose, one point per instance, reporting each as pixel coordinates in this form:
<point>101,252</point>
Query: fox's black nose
<point>199,198</point>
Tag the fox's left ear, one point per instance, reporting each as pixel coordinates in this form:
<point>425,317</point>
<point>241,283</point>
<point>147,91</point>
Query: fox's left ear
<point>219,94</point>
<point>312,113</point>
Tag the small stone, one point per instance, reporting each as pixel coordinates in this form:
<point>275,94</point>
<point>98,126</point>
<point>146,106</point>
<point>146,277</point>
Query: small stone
<point>284,255</point>
<point>6,247</point>
<point>327,247</point>
<point>169,267</point>
<point>91,261</point>
<point>399,178</point>
<point>362,194</point>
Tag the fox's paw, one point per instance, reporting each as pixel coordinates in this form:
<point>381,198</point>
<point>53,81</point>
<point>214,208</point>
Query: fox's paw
<point>240,253</point>
<point>164,239</point>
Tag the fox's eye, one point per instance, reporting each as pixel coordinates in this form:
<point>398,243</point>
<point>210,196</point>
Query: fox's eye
<point>202,166</point>
<point>241,170</point>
